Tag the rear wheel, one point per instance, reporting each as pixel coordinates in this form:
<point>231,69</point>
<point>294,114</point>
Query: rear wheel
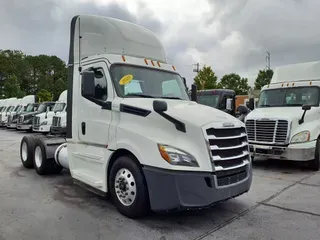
<point>128,189</point>
<point>27,151</point>
<point>42,164</point>
<point>315,163</point>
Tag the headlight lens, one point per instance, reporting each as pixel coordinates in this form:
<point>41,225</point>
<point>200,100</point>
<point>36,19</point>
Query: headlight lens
<point>44,123</point>
<point>301,137</point>
<point>176,156</point>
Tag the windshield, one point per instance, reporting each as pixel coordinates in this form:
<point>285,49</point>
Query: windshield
<point>42,108</point>
<point>17,108</point>
<point>286,97</point>
<point>9,109</point>
<point>3,109</point>
<point>30,107</point>
<point>133,81</point>
<point>209,100</point>
<point>58,107</point>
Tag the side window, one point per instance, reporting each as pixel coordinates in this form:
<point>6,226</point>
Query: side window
<point>171,87</point>
<point>100,81</point>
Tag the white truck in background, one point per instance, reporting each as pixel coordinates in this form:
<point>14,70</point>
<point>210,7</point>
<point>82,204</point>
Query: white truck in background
<point>132,130</point>
<point>24,103</point>
<point>10,105</point>
<point>59,120</point>
<point>42,122</point>
<point>285,124</point>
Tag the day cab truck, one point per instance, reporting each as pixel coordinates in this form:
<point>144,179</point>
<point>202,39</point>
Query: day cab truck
<point>59,120</point>
<point>21,107</point>
<point>42,121</point>
<point>26,119</point>
<point>132,130</point>
<point>285,124</point>
<point>9,107</point>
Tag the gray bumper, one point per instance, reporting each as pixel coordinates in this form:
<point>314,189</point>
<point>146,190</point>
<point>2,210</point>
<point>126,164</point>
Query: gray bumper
<point>12,125</point>
<point>24,126</point>
<point>293,152</point>
<point>3,124</point>
<point>179,190</point>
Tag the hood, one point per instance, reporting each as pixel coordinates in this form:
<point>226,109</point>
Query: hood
<point>26,114</point>
<point>290,113</point>
<point>185,111</point>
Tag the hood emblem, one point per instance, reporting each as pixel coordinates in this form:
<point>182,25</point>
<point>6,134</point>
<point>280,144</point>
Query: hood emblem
<point>226,124</point>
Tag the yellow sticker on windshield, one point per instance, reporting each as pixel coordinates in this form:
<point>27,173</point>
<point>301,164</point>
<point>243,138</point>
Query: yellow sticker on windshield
<point>126,79</point>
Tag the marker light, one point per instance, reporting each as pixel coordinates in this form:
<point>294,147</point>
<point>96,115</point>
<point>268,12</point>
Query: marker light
<point>146,61</point>
<point>123,58</point>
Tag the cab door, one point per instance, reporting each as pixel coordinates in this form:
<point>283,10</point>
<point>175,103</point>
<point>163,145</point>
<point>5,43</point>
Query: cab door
<point>94,119</point>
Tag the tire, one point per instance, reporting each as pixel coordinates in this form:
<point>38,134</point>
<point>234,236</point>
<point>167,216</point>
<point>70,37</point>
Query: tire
<point>41,163</point>
<point>27,151</point>
<point>138,206</point>
<point>314,164</point>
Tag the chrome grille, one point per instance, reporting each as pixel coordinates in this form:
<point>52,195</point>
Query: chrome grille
<point>268,131</point>
<point>229,150</point>
<point>36,121</point>
<point>9,119</point>
<point>56,121</point>
<point>20,120</point>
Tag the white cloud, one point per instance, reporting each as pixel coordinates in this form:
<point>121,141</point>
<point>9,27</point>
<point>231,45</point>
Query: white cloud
<point>229,35</point>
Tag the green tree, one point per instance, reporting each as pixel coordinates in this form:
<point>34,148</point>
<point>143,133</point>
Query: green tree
<point>11,87</point>
<point>44,95</point>
<point>235,82</point>
<point>263,78</point>
<point>206,78</point>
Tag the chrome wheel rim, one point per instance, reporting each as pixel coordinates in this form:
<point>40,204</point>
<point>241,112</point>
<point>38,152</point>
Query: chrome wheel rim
<point>38,156</point>
<point>24,151</point>
<point>125,187</point>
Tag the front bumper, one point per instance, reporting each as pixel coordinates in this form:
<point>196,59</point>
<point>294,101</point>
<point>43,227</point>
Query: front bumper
<point>293,152</point>
<point>58,130</point>
<point>24,126</point>
<point>180,190</point>
<point>12,125</point>
<point>41,128</point>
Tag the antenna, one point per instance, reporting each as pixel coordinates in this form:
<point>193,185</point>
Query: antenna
<point>80,68</point>
<point>268,60</point>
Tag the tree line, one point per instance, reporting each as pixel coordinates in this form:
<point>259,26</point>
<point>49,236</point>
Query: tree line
<point>207,79</point>
<point>21,74</point>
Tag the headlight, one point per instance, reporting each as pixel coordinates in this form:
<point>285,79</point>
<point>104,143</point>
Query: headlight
<point>176,156</point>
<point>301,137</point>
<point>44,123</point>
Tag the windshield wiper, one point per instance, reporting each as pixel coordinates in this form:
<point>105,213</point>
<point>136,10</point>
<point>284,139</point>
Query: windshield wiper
<point>294,105</point>
<point>171,98</point>
<point>266,105</point>
<point>139,95</point>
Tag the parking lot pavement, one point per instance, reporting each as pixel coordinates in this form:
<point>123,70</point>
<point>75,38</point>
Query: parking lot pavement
<point>283,203</point>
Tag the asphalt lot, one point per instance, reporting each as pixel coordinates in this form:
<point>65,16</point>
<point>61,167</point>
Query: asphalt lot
<point>283,203</point>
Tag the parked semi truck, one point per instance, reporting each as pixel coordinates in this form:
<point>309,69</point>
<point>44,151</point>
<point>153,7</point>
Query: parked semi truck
<point>9,107</point>
<point>24,103</point>
<point>42,122</point>
<point>59,121</point>
<point>285,124</point>
<point>25,120</point>
<point>132,130</point>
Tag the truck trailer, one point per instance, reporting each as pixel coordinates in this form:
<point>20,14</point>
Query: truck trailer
<point>132,130</point>
<point>285,123</point>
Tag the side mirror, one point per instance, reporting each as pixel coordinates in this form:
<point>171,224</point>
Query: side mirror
<point>194,93</point>
<point>48,109</point>
<point>306,107</point>
<point>243,110</point>
<point>87,84</point>
<point>160,106</point>
<point>251,104</point>
<point>229,102</point>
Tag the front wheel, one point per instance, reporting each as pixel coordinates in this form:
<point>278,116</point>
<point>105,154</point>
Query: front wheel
<point>128,189</point>
<point>315,163</point>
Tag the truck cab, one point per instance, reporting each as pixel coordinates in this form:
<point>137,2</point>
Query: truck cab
<point>132,130</point>
<point>222,99</point>
<point>20,108</point>
<point>59,120</point>
<point>26,119</point>
<point>43,121</point>
<point>10,106</point>
<point>285,124</point>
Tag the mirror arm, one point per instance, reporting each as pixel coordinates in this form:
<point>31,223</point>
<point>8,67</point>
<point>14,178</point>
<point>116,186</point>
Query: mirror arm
<point>301,120</point>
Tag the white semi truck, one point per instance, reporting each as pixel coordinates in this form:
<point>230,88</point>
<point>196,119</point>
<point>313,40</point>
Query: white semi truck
<point>59,120</point>
<point>285,124</point>
<point>10,106</point>
<point>24,103</point>
<point>42,122</point>
<point>132,130</point>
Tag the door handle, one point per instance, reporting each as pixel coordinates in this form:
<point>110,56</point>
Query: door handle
<point>83,128</point>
